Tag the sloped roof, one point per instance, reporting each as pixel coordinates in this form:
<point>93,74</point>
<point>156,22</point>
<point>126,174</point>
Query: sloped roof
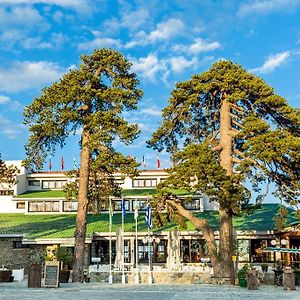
<point>42,226</point>
<point>125,193</point>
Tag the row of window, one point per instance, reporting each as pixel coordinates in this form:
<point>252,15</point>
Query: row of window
<point>48,184</point>
<point>59,184</point>
<point>71,206</point>
<point>6,192</point>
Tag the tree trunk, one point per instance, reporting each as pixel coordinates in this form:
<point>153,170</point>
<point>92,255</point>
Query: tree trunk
<point>208,234</point>
<point>79,249</point>
<point>226,226</point>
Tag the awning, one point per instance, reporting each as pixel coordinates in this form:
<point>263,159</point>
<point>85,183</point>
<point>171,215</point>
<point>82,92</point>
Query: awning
<point>282,250</point>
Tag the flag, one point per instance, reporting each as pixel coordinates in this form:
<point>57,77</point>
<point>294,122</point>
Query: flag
<point>123,208</point>
<point>158,162</point>
<point>144,161</point>
<point>148,216</point>
<point>111,212</point>
<point>62,163</point>
<point>136,213</point>
<point>50,164</point>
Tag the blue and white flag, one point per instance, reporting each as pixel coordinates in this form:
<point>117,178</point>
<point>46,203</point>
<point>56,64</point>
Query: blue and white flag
<point>123,208</point>
<point>148,216</point>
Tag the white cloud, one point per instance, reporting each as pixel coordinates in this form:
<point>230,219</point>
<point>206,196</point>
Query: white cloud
<point>266,6</point>
<point>9,103</point>
<point>197,47</point>
<point>152,111</point>
<point>29,75</point>
<point>273,62</point>
<point>147,66</point>
<point>81,6</point>
<point>21,16</point>
<point>135,19</point>
<point>166,30</point>
<point>180,63</point>
<point>56,40</point>
<point>100,43</point>
<point>10,129</point>
<point>4,99</point>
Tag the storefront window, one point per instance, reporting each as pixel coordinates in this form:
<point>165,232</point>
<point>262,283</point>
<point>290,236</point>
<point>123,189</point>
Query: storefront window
<point>193,250</point>
<point>256,251</point>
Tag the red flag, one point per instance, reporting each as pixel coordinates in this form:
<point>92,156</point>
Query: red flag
<point>50,164</point>
<point>144,161</point>
<point>62,163</point>
<point>158,162</point>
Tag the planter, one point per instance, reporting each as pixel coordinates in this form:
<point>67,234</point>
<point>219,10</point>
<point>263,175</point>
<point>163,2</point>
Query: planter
<point>5,276</point>
<point>64,276</point>
<point>242,282</point>
<point>297,277</point>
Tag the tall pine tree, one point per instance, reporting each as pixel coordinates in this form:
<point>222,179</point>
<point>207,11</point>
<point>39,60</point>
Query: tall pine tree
<point>91,101</point>
<point>225,128</point>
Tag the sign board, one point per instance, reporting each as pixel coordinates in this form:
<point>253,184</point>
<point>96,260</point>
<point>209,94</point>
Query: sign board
<point>51,274</point>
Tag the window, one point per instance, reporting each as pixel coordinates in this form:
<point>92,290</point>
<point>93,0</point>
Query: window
<point>43,206</point>
<point>69,206</point>
<point>144,182</point>
<point>257,253</point>
<point>160,252</point>
<point>53,184</point>
<point>140,204</point>
<point>34,183</point>
<point>119,181</point>
<point>193,250</point>
<point>6,192</point>
<point>20,205</point>
<point>194,204</point>
<point>117,205</point>
<point>143,256</point>
<point>100,248</point>
<point>51,206</point>
<point>60,184</point>
<point>20,245</point>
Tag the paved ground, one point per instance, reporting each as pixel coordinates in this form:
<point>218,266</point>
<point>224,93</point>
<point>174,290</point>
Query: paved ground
<point>19,290</point>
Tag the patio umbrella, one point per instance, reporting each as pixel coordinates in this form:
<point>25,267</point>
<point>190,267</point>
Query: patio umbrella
<point>119,245</point>
<point>282,250</point>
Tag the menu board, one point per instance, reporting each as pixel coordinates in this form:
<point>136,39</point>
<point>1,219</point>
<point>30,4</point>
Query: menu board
<point>51,274</point>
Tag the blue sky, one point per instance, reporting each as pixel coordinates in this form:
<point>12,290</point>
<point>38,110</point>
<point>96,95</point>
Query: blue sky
<point>167,41</point>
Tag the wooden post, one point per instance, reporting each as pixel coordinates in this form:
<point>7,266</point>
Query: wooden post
<point>34,276</point>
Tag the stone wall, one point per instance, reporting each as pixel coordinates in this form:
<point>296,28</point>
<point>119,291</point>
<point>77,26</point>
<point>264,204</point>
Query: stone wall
<point>18,258</point>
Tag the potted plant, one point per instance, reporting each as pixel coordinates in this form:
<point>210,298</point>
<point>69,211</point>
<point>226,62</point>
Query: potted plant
<point>242,275</point>
<point>65,256</point>
<point>5,274</point>
<point>264,267</point>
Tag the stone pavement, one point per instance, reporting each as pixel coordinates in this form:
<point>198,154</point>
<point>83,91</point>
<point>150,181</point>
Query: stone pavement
<point>68,291</point>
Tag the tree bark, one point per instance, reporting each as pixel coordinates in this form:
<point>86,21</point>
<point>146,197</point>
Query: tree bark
<point>208,234</point>
<point>79,249</point>
<point>226,226</point>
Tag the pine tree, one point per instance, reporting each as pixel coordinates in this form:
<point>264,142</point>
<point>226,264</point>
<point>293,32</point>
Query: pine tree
<point>8,175</point>
<point>226,127</point>
<point>90,100</point>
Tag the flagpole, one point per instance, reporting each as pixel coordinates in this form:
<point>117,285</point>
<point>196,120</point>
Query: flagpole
<point>136,214</point>
<point>110,278</point>
<point>123,241</point>
<point>149,224</point>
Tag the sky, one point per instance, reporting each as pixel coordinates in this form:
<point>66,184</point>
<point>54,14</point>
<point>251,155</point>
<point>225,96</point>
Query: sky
<point>166,41</point>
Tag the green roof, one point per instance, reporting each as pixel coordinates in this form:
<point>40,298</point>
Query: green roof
<point>63,226</point>
<point>42,194</point>
<point>125,193</point>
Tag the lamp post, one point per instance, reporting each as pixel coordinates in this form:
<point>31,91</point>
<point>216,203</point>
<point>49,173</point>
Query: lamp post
<point>150,239</point>
<point>278,243</point>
